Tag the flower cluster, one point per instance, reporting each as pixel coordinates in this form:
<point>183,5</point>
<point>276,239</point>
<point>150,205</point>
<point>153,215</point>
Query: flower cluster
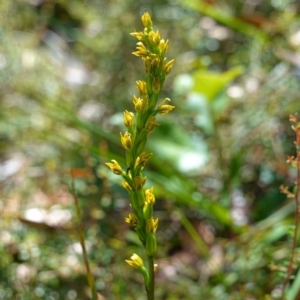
<point>152,50</point>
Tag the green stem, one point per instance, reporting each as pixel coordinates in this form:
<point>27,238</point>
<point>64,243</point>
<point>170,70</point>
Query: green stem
<point>90,277</point>
<point>150,288</point>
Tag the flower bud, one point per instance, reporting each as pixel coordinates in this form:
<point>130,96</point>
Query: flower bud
<point>135,262</point>
<point>151,245</point>
<point>142,160</point>
<point>156,85</point>
<point>151,225</point>
<point>151,124</point>
<point>155,65</point>
<point>147,65</point>
<point>163,46</point>
<point>154,38</point>
<point>139,182</point>
<point>148,206</point>
<point>128,118</point>
<point>115,167</point>
<point>148,211</point>
<point>139,104</point>
<point>168,66</point>
<point>126,185</point>
<point>163,109</point>
<point>126,140</point>
<point>149,196</point>
<point>141,50</point>
<point>142,87</point>
<point>146,20</point>
<point>139,35</point>
<point>132,220</point>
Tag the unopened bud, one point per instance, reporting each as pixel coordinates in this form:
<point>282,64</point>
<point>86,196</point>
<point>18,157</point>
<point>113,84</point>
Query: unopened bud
<point>151,245</point>
<point>156,85</point>
<point>139,182</point>
<point>126,140</point>
<point>128,118</point>
<point>115,167</point>
<point>146,20</point>
<point>151,124</point>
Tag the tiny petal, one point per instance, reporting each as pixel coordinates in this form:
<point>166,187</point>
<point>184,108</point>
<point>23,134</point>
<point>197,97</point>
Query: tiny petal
<point>139,35</point>
<point>165,109</point>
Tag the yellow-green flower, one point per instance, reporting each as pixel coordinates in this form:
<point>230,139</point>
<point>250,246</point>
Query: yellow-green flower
<point>126,185</point>
<point>139,182</point>
<point>168,66</point>
<point>132,220</point>
<point>128,118</point>
<point>126,140</point>
<point>139,103</point>
<point>155,66</point>
<point>154,38</point>
<point>149,196</point>
<point>142,159</point>
<point>135,262</point>
<point>163,46</point>
<point>156,85</point>
<point>142,87</point>
<point>141,50</point>
<point>152,225</point>
<point>163,108</point>
<point>148,66</point>
<point>115,167</point>
<point>151,124</point>
<point>146,20</point>
<point>139,35</point>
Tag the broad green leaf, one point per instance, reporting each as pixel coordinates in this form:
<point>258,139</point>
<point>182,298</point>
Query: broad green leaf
<point>211,83</point>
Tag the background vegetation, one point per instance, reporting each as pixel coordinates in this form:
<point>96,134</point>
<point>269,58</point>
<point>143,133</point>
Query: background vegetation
<point>66,76</point>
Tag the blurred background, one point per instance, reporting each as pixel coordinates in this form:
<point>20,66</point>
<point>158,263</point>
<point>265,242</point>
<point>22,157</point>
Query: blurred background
<point>66,76</point>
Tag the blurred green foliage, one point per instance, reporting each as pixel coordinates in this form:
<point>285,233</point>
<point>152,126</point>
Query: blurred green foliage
<point>66,76</point>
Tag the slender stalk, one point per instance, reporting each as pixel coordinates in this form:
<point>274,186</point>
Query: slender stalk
<point>90,277</point>
<point>152,50</point>
<point>150,289</point>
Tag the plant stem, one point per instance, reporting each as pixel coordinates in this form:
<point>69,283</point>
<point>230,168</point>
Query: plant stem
<point>150,288</point>
<point>90,277</point>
